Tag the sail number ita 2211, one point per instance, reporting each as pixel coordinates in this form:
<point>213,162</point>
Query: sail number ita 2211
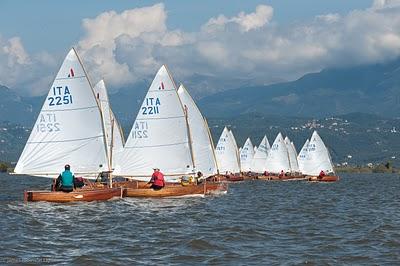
<point>151,106</point>
<point>61,96</point>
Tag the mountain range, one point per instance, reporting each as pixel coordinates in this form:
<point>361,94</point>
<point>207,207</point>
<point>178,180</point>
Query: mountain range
<point>373,89</point>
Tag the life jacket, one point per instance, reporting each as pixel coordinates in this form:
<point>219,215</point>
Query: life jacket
<point>322,174</point>
<point>67,179</point>
<point>158,179</point>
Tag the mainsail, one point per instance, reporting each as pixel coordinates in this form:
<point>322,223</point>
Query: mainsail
<point>318,157</point>
<point>302,157</point>
<point>294,166</point>
<point>159,137</point>
<point>114,137</point>
<point>226,153</point>
<point>246,156</point>
<point>260,156</point>
<point>278,158</point>
<point>204,159</point>
<point>69,128</point>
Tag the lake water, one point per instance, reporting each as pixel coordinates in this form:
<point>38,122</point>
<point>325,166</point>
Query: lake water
<point>353,221</point>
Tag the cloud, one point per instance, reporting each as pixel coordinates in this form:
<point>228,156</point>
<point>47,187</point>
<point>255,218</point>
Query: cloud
<point>226,52</point>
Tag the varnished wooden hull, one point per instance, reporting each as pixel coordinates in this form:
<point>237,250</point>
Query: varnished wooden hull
<point>327,178</point>
<point>227,178</point>
<point>86,194</point>
<point>280,178</point>
<point>175,190</point>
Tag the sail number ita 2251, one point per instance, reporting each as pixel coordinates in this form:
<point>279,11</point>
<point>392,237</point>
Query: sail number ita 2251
<point>151,106</point>
<point>61,96</point>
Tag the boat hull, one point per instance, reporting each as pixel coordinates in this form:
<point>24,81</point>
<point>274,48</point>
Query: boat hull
<point>133,189</point>
<point>327,178</point>
<point>89,194</point>
<point>227,178</point>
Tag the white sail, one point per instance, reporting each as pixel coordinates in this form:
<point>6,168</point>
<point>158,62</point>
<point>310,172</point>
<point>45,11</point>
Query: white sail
<point>115,141</point>
<point>69,128</point>
<point>302,157</point>
<point>246,156</point>
<point>226,153</point>
<point>204,159</point>
<point>278,158</point>
<point>318,157</point>
<point>159,136</point>
<point>260,156</point>
<point>237,154</point>
<point>255,149</point>
<point>294,166</point>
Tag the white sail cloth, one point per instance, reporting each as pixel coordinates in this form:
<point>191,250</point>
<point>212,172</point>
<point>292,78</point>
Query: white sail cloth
<point>204,159</point>
<point>260,156</point>
<point>159,136</point>
<point>69,128</point>
<point>294,166</point>
<point>246,156</point>
<point>318,157</point>
<point>302,157</point>
<point>114,137</point>
<point>278,159</point>
<point>226,153</point>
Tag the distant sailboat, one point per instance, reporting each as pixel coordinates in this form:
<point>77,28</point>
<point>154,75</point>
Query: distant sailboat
<point>260,156</point>
<point>318,159</point>
<point>302,157</point>
<point>278,159</point>
<point>246,156</point>
<point>294,166</point>
<point>203,151</point>
<point>227,154</point>
<point>68,130</point>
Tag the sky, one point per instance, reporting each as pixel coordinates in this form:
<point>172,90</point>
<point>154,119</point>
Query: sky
<point>223,43</point>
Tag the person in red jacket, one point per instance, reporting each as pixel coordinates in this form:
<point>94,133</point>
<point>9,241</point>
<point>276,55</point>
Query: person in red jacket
<point>157,180</point>
<point>321,174</point>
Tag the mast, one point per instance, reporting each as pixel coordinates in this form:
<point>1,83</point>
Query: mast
<point>111,150</point>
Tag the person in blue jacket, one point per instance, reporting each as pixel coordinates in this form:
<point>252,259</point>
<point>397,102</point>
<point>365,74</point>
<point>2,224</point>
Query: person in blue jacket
<point>65,181</point>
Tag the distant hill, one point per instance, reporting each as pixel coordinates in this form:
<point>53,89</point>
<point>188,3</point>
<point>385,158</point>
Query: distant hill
<point>372,88</point>
<point>367,138</point>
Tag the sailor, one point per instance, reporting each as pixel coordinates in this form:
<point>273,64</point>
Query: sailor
<point>65,181</point>
<point>281,174</point>
<point>321,174</point>
<point>157,180</point>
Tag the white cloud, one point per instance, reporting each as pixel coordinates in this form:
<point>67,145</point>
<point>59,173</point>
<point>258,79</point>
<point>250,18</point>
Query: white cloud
<point>130,46</point>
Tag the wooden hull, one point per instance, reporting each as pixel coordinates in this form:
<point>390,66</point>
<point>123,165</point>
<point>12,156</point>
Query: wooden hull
<point>280,178</point>
<point>327,178</point>
<point>85,194</point>
<point>227,178</point>
<point>176,190</point>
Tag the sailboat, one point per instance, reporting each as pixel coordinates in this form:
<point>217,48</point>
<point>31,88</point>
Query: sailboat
<point>68,130</point>
<point>246,156</point>
<point>246,159</point>
<point>302,157</point>
<point>227,156</point>
<point>277,163</point>
<point>260,157</point>
<point>319,159</point>
<point>292,154</point>
<point>161,138</point>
